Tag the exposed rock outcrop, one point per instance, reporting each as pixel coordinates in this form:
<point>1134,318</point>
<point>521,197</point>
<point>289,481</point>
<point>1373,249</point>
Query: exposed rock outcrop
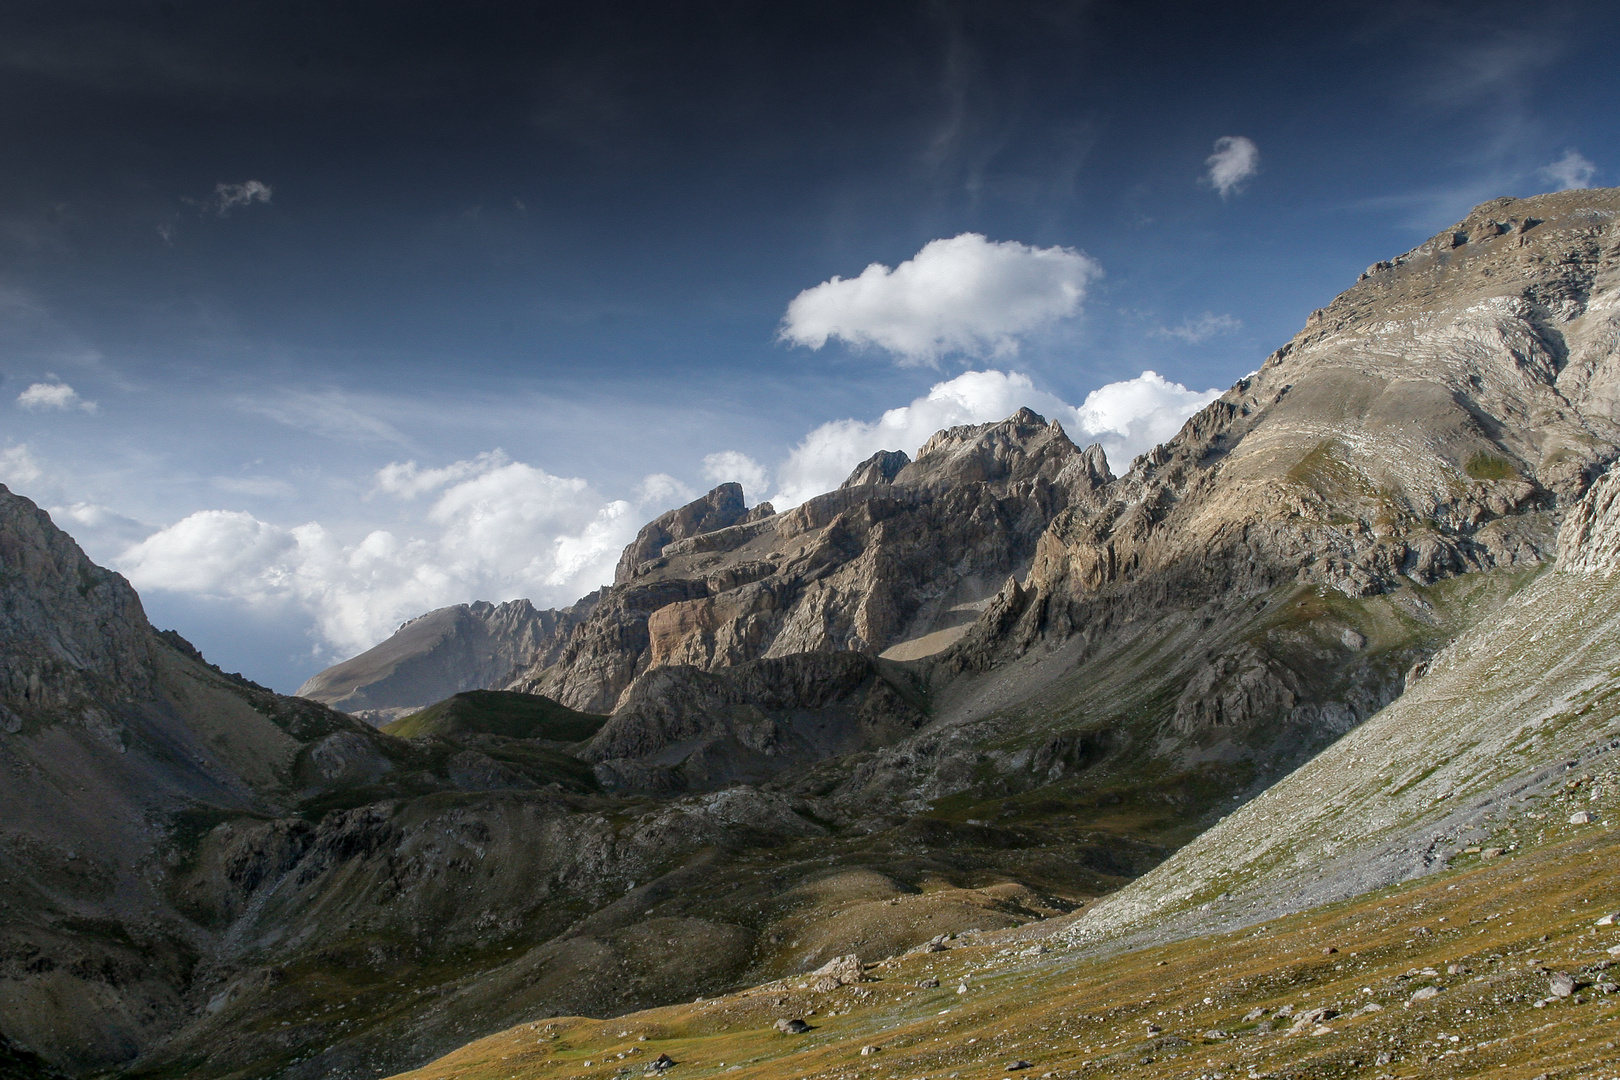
<point>684,728</point>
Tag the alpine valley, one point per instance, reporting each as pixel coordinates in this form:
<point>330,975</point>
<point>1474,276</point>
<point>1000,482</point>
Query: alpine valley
<point>987,760</point>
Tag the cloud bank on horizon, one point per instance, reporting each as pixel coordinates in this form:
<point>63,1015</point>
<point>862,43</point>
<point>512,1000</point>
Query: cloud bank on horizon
<point>492,528</point>
<point>966,294</point>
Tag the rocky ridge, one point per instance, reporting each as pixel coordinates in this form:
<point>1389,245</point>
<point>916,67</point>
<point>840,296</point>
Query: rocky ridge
<point>475,646</point>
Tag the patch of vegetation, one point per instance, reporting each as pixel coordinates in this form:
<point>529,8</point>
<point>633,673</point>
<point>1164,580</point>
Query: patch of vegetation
<point>1483,466</point>
<point>499,712</point>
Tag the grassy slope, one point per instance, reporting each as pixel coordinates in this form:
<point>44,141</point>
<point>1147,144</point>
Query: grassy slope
<point>1489,936</point>
<point>499,712</point>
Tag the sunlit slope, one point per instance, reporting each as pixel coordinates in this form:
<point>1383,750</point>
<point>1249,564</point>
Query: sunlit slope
<point>1512,708</point>
<point>1453,976</point>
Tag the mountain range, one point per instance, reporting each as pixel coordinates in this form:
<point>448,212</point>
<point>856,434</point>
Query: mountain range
<point>1321,642</point>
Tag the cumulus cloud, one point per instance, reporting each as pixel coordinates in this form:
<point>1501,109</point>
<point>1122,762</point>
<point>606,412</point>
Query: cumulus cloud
<point>734,465</point>
<point>1235,160</point>
<point>1126,417</point>
<point>1200,329</point>
<point>228,196</point>
<point>966,295</point>
<point>53,395</point>
<point>1569,172</point>
<point>494,529</point>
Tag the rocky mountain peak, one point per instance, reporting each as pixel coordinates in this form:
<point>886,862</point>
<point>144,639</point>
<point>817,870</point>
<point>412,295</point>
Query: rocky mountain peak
<point>881,468</point>
<point>1018,449</point>
<point>720,508</point>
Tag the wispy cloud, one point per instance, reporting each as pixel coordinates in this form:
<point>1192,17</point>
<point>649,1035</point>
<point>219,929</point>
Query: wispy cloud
<point>1200,329</point>
<point>967,295</point>
<point>324,412</point>
<point>53,395</point>
<point>1234,161</point>
<point>229,196</point>
<point>1571,171</point>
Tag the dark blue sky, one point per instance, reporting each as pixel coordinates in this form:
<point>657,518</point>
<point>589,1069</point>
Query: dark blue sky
<point>571,233</point>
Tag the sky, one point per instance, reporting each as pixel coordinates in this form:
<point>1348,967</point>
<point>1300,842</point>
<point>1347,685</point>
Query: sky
<point>316,316</point>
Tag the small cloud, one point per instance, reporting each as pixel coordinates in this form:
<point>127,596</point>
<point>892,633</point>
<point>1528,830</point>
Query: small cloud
<point>228,196</point>
<point>1235,159</point>
<point>18,466</point>
<point>735,466</point>
<point>53,395</point>
<point>662,490</point>
<point>97,526</point>
<point>1200,329</point>
<point>1571,171</point>
<point>966,295</point>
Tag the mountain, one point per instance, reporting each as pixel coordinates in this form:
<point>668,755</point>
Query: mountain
<point>980,690</point>
<point>477,646</point>
<point>1358,903</point>
<point>901,563</point>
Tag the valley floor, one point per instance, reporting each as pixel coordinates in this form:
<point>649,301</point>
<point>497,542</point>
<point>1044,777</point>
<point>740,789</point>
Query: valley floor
<point>1491,935</point>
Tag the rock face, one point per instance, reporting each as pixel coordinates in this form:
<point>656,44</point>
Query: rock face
<point>903,550</point>
<point>683,728</point>
<point>108,729</point>
<point>474,646</point>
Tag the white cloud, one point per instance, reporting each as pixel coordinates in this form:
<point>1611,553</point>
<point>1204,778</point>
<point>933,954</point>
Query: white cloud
<point>18,467</point>
<point>53,395</point>
<point>964,295</point>
<point>1126,417</point>
<point>98,527</point>
<point>407,481</point>
<point>1569,172</point>
<point>661,489</point>
<point>1235,159</point>
<point>227,196</point>
<point>1201,329</point>
<point>734,465</point>
<point>497,529</point>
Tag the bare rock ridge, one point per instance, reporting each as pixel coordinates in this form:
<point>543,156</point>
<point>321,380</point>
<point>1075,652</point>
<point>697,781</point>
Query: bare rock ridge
<point>474,646</point>
<point>902,550</point>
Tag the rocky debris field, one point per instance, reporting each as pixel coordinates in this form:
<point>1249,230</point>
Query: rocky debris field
<point>1503,967</point>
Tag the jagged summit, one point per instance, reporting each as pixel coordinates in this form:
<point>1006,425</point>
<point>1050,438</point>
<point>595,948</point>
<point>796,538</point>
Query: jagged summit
<point>903,555</point>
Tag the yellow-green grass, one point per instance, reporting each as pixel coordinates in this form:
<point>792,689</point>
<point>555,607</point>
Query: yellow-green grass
<point>1070,1013</point>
